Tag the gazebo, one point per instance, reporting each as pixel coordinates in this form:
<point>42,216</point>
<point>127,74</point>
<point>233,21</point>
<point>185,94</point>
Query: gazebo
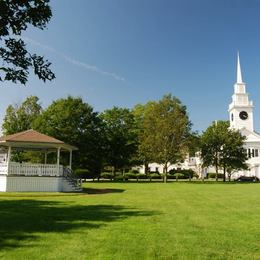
<point>24,176</point>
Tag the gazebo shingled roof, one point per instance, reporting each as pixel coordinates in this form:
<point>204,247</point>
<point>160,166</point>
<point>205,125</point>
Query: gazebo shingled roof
<point>33,137</point>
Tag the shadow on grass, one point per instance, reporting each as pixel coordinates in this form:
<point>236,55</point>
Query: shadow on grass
<point>23,219</point>
<point>101,191</point>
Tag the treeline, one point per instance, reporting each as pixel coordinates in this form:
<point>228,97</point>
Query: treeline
<point>116,139</point>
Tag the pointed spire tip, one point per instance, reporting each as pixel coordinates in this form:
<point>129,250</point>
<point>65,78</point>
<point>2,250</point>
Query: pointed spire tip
<point>239,74</point>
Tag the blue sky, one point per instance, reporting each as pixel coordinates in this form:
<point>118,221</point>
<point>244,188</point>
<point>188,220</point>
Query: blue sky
<point>124,52</point>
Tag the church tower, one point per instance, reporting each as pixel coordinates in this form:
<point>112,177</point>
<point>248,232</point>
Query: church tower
<point>241,109</point>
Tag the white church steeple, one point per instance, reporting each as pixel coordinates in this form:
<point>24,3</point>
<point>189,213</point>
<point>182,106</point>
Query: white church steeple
<point>241,109</point>
<point>239,74</point>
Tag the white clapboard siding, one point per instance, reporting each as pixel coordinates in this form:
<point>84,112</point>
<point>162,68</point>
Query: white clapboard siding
<point>35,184</point>
<point>38,184</point>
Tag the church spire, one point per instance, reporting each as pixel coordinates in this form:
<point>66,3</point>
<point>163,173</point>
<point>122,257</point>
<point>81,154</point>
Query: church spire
<point>239,74</point>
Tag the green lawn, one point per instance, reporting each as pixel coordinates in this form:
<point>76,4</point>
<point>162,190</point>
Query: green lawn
<point>133,221</point>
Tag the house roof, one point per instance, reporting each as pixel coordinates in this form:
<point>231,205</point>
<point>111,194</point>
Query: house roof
<point>34,138</point>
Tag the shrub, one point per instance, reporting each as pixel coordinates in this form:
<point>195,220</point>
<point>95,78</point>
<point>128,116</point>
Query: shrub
<point>119,177</point>
<point>188,173</point>
<point>130,175</point>
<point>155,176</point>
<point>170,176</point>
<point>107,175</point>
<point>83,174</point>
<point>134,171</point>
<point>212,175</point>
<point>154,172</point>
<point>141,176</point>
<point>179,175</point>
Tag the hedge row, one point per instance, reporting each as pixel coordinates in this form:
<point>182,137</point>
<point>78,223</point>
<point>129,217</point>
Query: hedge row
<point>134,174</point>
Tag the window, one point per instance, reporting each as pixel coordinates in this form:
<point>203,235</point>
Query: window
<point>249,153</point>
<point>256,152</point>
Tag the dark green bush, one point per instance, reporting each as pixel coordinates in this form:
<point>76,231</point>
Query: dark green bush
<point>134,171</point>
<point>119,177</point>
<point>212,175</point>
<point>107,175</point>
<point>155,176</point>
<point>130,175</point>
<point>154,172</point>
<point>170,176</point>
<point>189,173</point>
<point>141,176</point>
<point>83,174</point>
<point>179,175</point>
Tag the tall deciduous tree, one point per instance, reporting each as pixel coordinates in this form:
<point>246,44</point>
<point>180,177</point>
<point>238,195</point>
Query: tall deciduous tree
<point>166,128</point>
<point>74,121</point>
<point>21,117</point>
<point>121,137</point>
<point>145,152</point>
<point>222,147</point>
<point>15,16</point>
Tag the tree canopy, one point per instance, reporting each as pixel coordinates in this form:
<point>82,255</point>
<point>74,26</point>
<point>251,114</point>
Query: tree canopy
<point>222,147</point>
<point>121,137</point>
<point>144,152</point>
<point>20,117</point>
<point>74,122</point>
<point>165,131</point>
<point>15,17</point>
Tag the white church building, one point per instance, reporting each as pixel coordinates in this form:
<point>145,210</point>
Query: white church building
<point>241,118</point>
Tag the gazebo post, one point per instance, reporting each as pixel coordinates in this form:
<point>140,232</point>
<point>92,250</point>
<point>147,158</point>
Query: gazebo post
<point>58,161</point>
<point>70,165</point>
<point>9,158</point>
<point>45,157</point>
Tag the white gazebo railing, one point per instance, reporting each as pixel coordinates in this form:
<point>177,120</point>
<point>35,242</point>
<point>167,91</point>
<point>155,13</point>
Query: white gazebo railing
<point>3,168</point>
<point>27,169</point>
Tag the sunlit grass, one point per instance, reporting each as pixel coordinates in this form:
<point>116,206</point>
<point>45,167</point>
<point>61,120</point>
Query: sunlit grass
<point>133,221</point>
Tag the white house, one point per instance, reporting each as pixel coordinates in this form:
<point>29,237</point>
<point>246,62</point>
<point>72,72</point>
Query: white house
<point>22,176</point>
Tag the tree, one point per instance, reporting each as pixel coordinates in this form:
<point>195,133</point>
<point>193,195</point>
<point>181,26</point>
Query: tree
<point>121,137</point>
<point>233,157</point>
<point>145,152</point>
<point>166,128</point>
<point>15,16</point>
<point>74,122</point>
<point>222,147</point>
<point>19,118</point>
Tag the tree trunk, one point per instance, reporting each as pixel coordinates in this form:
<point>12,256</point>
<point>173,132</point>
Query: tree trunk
<point>165,169</point>
<point>216,172</point>
<point>145,168</point>
<point>114,171</point>
<point>124,175</point>
<point>224,174</point>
